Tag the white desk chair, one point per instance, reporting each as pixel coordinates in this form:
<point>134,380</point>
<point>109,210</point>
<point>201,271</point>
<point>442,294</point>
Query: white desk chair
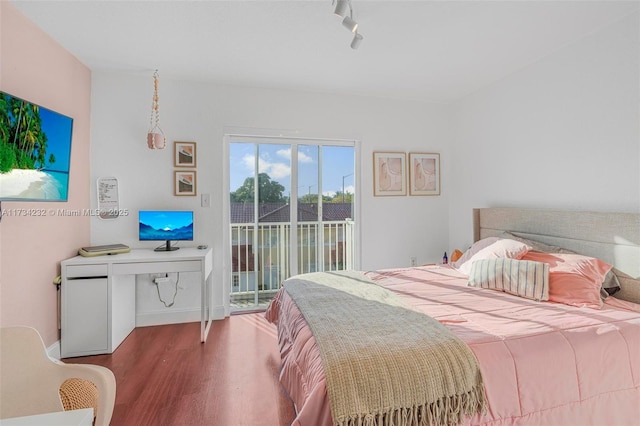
<point>33,383</point>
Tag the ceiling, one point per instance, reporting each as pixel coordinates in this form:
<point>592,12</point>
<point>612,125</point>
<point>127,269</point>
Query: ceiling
<point>433,51</point>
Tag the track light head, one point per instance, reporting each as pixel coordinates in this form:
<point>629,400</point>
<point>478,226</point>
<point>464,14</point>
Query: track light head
<point>350,24</point>
<point>357,39</point>
<point>341,8</point>
<point>344,9</point>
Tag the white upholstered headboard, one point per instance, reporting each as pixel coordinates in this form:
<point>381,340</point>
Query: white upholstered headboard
<point>612,237</point>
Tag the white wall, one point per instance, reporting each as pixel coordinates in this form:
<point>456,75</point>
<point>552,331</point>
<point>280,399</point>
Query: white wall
<point>393,228</point>
<point>561,133</point>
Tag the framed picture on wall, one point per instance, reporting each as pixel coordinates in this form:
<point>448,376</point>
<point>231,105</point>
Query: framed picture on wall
<point>185,182</point>
<point>389,174</point>
<point>184,154</point>
<point>424,173</point>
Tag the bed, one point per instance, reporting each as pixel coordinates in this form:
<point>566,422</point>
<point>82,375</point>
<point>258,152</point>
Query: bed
<point>569,360</point>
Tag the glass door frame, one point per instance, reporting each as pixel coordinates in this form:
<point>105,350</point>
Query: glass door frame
<point>294,141</point>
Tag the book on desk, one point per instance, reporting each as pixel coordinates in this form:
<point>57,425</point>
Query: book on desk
<point>103,250</point>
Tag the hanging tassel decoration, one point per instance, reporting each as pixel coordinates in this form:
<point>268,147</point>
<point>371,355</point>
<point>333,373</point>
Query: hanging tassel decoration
<point>155,136</point>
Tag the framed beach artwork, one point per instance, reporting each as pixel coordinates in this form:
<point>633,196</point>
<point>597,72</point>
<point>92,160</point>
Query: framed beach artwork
<point>185,183</point>
<point>35,151</point>
<point>424,173</point>
<point>389,174</point>
<point>184,154</point>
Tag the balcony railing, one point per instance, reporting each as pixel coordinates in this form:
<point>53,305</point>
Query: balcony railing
<point>261,255</point>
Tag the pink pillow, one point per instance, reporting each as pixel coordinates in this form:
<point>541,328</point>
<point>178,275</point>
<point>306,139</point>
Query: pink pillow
<point>504,248</point>
<point>574,279</point>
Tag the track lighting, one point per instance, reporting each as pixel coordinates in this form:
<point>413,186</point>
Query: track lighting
<point>341,8</point>
<point>357,39</point>
<point>348,22</point>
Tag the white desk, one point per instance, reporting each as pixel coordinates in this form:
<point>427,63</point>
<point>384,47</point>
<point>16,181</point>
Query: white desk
<point>98,295</point>
<point>82,417</point>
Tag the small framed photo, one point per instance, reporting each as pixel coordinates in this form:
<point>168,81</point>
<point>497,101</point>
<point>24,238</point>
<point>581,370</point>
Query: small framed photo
<point>389,174</point>
<point>185,183</point>
<point>184,154</point>
<point>424,173</point>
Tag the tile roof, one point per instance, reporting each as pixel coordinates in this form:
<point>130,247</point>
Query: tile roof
<point>279,212</point>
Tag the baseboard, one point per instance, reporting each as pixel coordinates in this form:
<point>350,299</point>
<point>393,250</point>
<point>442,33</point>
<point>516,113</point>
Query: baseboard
<point>175,316</point>
<point>217,312</point>
<point>53,351</point>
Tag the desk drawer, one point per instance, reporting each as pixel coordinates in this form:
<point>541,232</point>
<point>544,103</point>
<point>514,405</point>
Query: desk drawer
<point>156,267</point>
<point>78,271</point>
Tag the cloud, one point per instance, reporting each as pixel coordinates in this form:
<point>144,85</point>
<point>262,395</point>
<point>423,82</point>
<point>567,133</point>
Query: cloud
<point>348,189</point>
<point>274,170</point>
<point>249,161</point>
<point>302,157</point>
<point>284,153</point>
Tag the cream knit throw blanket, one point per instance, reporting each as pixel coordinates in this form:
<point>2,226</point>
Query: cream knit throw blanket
<point>384,363</point>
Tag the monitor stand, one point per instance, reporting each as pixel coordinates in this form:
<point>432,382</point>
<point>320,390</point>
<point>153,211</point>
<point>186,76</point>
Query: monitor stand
<point>167,247</point>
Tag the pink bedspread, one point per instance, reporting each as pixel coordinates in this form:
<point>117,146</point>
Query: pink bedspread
<point>542,363</point>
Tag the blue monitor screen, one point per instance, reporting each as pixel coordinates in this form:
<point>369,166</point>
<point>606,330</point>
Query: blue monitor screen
<point>35,151</point>
<point>166,225</point>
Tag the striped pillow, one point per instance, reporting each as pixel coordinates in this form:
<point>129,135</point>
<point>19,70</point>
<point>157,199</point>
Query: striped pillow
<point>524,278</point>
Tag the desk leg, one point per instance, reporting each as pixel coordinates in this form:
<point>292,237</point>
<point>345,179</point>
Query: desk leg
<point>205,314</point>
<point>205,330</point>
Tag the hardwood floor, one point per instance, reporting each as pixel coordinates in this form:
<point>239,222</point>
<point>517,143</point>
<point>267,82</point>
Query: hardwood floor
<point>165,376</point>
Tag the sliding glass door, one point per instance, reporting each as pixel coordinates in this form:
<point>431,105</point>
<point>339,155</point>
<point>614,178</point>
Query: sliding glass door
<point>298,218</point>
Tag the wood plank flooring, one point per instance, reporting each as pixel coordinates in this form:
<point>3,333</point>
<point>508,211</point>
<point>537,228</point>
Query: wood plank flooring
<point>165,376</point>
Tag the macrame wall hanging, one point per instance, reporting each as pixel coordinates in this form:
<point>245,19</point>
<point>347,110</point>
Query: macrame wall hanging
<point>155,136</point>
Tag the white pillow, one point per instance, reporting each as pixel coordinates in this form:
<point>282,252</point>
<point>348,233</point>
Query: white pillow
<point>476,247</point>
<point>511,249</point>
<point>524,278</point>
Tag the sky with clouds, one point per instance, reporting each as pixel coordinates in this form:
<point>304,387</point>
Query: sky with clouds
<point>275,160</point>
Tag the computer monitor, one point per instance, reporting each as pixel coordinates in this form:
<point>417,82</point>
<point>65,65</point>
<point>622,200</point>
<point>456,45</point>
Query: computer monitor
<point>163,225</point>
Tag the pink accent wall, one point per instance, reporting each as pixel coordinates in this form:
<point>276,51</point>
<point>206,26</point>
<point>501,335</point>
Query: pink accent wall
<point>36,68</point>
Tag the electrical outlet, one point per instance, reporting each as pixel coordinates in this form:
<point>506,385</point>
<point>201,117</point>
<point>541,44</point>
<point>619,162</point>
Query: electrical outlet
<point>413,261</point>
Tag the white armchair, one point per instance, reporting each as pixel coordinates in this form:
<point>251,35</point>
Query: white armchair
<point>31,381</point>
